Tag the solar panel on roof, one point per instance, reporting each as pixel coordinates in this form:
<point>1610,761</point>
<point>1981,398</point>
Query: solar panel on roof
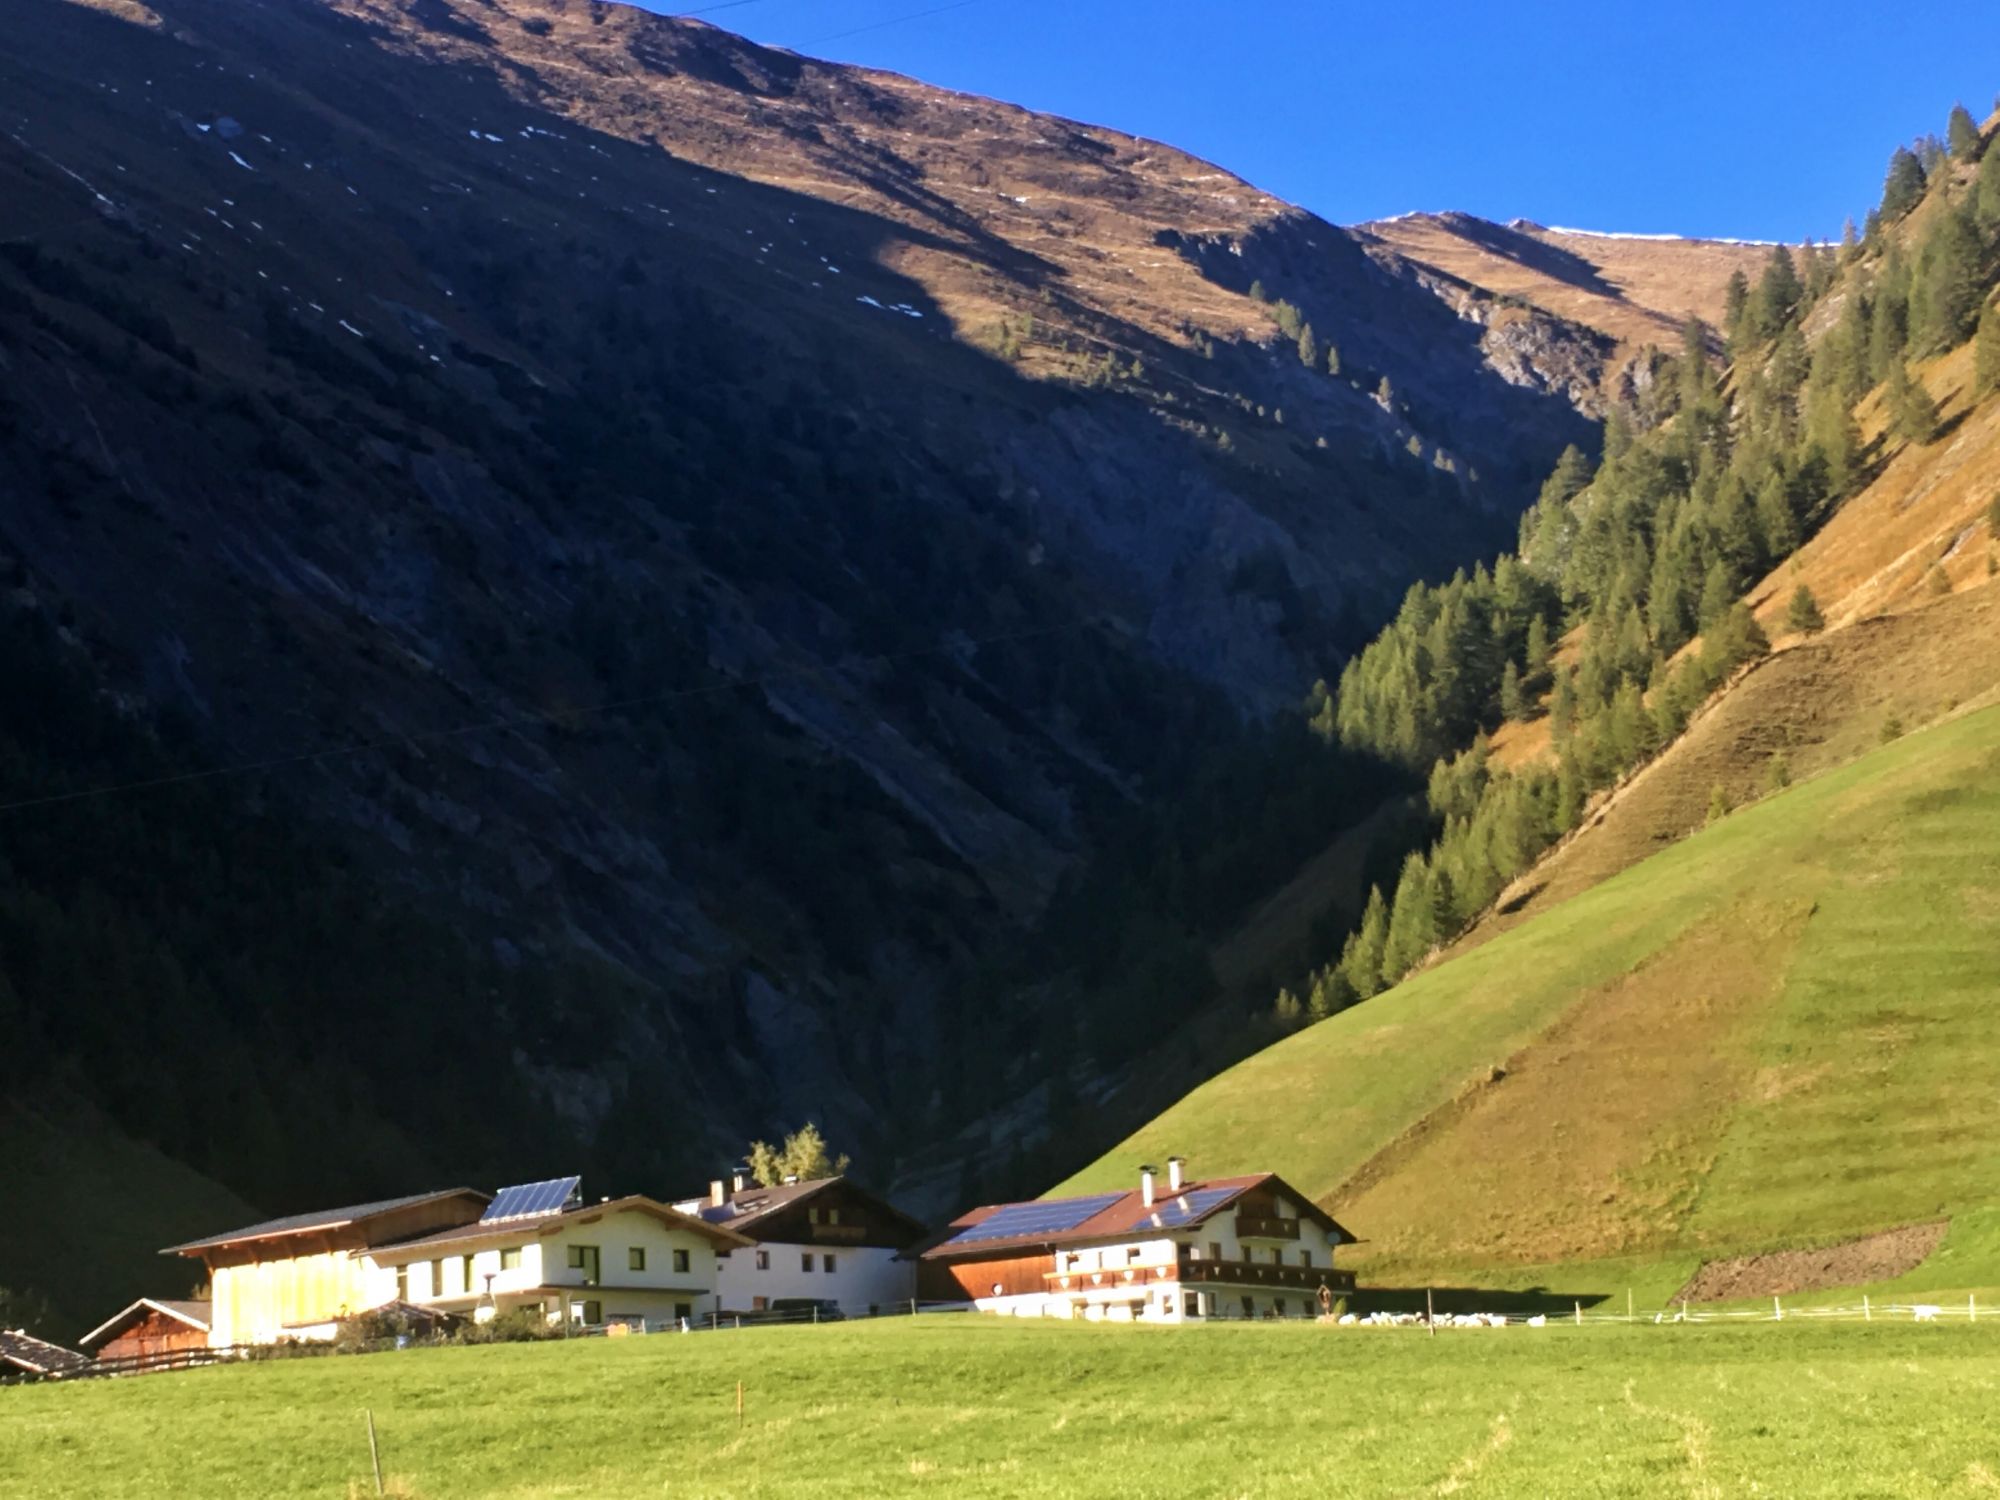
<point>531,1199</point>
<point>1018,1219</point>
<point>1185,1208</point>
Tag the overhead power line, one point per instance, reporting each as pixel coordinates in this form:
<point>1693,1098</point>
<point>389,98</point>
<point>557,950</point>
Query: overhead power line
<point>917,15</point>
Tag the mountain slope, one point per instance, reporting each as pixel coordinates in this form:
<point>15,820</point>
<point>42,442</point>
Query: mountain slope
<point>1708,1052</point>
<point>1636,289</point>
<point>605,476</point>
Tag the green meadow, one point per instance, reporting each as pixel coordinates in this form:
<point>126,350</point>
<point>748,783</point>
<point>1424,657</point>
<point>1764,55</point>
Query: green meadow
<point>966,1406</point>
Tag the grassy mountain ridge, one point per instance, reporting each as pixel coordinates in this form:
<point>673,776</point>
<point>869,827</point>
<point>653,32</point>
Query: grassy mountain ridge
<point>1706,1053</point>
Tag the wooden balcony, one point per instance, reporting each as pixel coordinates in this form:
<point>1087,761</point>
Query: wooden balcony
<point>1250,1227</point>
<point>1234,1273</point>
<point>1112,1278</point>
<point>838,1234</point>
<point>1250,1273</point>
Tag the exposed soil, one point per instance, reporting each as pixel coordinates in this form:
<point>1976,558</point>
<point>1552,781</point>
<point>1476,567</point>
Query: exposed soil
<point>1875,1257</point>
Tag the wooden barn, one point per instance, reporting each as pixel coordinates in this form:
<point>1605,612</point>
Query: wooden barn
<point>150,1326</point>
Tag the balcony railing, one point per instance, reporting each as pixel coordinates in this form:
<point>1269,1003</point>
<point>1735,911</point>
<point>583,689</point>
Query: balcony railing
<point>1253,1273</point>
<point>1244,1273</point>
<point>1254,1227</point>
<point>838,1234</point>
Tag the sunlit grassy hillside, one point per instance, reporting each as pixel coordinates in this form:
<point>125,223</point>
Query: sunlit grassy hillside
<point>1780,1031</point>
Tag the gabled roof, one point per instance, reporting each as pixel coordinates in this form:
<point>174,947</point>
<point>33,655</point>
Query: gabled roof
<point>330,1218</point>
<point>1103,1217</point>
<point>743,1211</point>
<point>38,1356</point>
<point>194,1314</point>
<point>509,1231</point>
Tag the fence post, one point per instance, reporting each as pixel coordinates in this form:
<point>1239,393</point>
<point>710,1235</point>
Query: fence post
<point>816,1313</point>
<point>1866,1315</point>
<point>374,1453</point>
<point>739,1403</point>
<point>1972,1307</point>
<point>913,1307</point>
<point>1430,1313</point>
<point>1628,1304</point>
<point>1777,1311</point>
<point>1579,1314</point>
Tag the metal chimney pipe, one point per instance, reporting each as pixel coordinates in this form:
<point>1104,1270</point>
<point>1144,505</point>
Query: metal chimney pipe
<point>716,1197</point>
<point>1176,1172</point>
<point>1146,1185</point>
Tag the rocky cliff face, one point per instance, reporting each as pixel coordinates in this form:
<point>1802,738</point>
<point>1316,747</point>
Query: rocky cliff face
<point>746,520</point>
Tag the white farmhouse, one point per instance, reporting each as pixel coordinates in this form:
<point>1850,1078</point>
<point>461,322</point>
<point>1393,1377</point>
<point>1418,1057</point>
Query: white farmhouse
<point>1172,1252</point>
<point>824,1240</point>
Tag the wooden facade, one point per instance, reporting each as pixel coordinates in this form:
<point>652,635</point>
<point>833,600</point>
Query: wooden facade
<point>147,1331</point>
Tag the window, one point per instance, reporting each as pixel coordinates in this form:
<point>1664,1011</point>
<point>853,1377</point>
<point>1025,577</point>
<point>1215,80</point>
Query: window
<point>466,1281</point>
<point>593,1313</point>
<point>826,1264</point>
<point>510,1258</point>
<point>806,1261</point>
<point>683,1310</point>
<point>763,1260</point>
<point>1278,1307</point>
<point>812,1216</point>
<point>1277,1257</point>
<point>1132,1254</point>
<point>833,1216</point>
<point>437,1278</point>
<point>402,1283</point>
<point>1249,1308</point>
<point>1215,1250</point>
<point>1305,1257</point>
<point>635,1258</point>
<point>1190,1304</point>
<point>585,1258</point>
<point>683,1262</point>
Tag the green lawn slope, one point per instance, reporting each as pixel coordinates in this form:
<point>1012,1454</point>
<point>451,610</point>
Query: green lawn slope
<point>974,1407</point>
<point>1782,1031</point>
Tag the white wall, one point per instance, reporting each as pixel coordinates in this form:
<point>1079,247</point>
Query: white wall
<point>863,1277</point>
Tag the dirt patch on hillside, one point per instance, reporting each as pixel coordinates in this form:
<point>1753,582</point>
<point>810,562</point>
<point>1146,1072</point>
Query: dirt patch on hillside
<point>1876,1257</point>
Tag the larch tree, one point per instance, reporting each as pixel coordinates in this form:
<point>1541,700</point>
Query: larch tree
<point>1903,187</point>
<point>1802,616</point>
<point>1986,350</point>
<point>1961,134</point>
<point>804,1155</point>
<point>1910,406</point>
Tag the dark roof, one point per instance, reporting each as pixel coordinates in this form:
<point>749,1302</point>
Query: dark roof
<point>1121,1218</point>
<point>39,1356</point>
<point>330,1218</point>
<point>194,1314</point>
<point>743,1211</point>
<point>507,1229</point>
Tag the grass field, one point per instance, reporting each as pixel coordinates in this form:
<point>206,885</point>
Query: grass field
<point>964,1406</point>
<point>1778,1032</point>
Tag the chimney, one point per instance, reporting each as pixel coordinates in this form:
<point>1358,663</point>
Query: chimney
<point>1176,1172</point>
<point>716,1197</point>
<point>1146,1185</point>
<point>738,1180</point>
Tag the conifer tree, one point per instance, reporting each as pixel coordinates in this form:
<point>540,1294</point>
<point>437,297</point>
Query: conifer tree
<point>1332,359</point>
<point>1986,352</point>
<point>1779,290</point>
<point>1286,1010</point>
<point>1961,134</point>
<point>1904,186</point>
<point>1802,616</point>
<point>1948,285</point>
<point>1562,705</point>
<point>1413,928</point>
<point>1513,702</point>
<point>1257,292</point>
<point>1361,960</point>
<point>1910,406</point>
<point>1308,348</point>
<point>1775,518</point>
<point>1386,393</point>
<point>1718,592</point>
<point>1986,193</point>
<point>1538,645</point>
<point>1735,307</point>
<point>1889,322</point>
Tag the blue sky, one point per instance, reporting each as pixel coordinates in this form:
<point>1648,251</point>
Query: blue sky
<point>1760,120</point>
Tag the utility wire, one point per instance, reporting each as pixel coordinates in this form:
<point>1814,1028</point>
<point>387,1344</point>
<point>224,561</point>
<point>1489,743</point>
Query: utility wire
<point>937,10</point>
<point>524,721</point>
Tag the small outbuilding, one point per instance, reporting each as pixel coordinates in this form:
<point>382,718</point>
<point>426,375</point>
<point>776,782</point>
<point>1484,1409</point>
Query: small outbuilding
<point>24,1355</point>
<point>148,1327</point>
